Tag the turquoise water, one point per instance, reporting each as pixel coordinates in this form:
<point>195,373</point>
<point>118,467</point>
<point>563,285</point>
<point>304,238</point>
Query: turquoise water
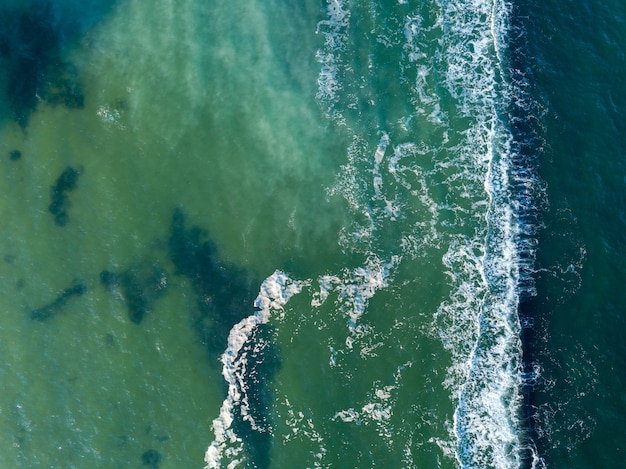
<point>323,234</point>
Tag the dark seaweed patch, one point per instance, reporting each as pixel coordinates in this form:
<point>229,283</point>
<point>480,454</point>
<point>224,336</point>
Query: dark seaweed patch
<point>151,458</point>
<point>108,279</point>
<point>139,287</point>
<point>225,292</point>
<point>63,87</point>
<point>65,183</point>
<point>15,155</point>
<point>109,340</point>
<point>46,312</point>
<point>31,43</point>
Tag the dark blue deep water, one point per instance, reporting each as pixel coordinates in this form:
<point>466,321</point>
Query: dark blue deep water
<point>577,64</point>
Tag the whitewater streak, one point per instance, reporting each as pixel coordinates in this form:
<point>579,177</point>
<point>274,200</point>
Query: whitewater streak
<point>275,292</point>
<point>487,419</point>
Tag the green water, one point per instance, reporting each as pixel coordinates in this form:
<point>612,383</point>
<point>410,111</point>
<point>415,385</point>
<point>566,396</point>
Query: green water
<point>374,171</point>
<point>213,110</point>
<point>180,110</point>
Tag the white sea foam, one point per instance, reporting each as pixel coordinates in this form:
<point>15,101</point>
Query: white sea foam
<point>485,377</point>
<point>390,191</point>
<point>425,99</point>
<point>377,408</point>
<point>335,36</point>
<point>355,287</point>
<point>303,428</point>
<point>275,292</point>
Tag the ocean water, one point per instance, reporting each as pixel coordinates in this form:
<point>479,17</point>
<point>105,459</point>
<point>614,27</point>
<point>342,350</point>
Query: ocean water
<point>323,234</point>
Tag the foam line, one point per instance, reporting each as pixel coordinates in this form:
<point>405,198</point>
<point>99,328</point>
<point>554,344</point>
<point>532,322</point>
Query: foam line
<point>275,292</point>
<point>485,378</point>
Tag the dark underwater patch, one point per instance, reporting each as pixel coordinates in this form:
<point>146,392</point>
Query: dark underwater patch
<point>64,88</point>
<point>46,312</point>
<point>139,287</point>
<point>31,46</point>
<point>34,39</point>
<point>66,182</point>
<point>151,458</point>
<point>15,155</point>
<point>225,293</point>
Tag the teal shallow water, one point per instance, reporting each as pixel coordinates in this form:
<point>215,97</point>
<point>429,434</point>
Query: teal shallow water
<point>267,235</point>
